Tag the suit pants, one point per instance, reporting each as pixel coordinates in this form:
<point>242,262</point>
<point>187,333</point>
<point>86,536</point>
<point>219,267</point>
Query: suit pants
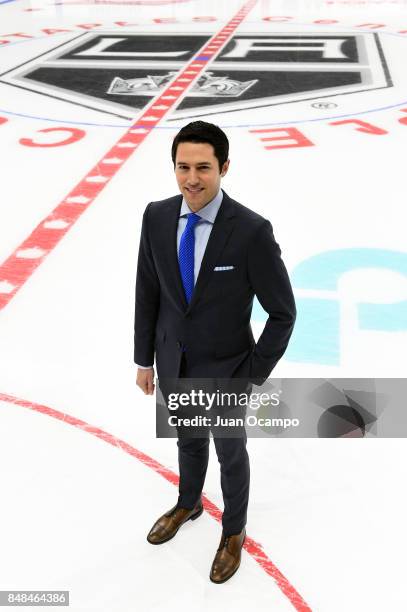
<point>193,456</point>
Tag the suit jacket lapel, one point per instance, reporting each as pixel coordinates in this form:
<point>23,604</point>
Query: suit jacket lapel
<point>168,232</point>
<point>220,233</point>
<point>222,228</point>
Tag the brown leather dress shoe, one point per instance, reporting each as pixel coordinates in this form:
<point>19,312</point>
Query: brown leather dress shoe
<point>168,524</point>
<point>227,558</point>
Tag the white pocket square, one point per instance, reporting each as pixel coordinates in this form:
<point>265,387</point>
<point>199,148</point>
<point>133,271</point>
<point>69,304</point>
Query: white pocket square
<point>223,268</point>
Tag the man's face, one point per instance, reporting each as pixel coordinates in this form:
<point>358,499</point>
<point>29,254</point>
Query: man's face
<point>197,173</point>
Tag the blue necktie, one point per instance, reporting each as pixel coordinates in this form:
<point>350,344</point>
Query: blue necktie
<point>186,255</point>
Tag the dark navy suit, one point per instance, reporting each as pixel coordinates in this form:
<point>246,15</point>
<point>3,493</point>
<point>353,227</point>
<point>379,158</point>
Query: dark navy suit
<point>211,336</point>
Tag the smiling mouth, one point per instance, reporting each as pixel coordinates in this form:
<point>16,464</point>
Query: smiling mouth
<point>194,190</point>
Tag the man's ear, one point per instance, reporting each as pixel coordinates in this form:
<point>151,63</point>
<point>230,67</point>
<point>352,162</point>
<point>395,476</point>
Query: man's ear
<point>225,167</point>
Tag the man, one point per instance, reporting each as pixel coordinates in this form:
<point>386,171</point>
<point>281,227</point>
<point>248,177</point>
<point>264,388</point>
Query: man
<point>202,258</point>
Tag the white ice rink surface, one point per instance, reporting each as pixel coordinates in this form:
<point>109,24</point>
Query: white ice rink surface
<point>75,508</point>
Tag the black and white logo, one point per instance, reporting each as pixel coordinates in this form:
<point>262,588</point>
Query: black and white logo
<point>120,73</point>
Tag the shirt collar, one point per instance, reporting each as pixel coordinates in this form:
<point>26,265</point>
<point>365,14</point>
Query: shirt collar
<point>208,212</point>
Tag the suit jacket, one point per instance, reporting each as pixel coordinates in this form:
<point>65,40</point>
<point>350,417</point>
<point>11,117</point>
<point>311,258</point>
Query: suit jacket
<point>214,329</point>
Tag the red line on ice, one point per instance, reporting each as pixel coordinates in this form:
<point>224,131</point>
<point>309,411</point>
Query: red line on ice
<point>251,546</point>
<point>26,258</point>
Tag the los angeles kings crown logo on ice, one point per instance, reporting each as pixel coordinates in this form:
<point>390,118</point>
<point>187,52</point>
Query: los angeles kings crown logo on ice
<point>119,73</point>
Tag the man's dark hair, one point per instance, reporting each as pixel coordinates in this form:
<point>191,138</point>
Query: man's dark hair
<point>203,132</point>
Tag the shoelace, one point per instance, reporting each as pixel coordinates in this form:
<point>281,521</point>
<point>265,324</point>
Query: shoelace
<point>225,543</point>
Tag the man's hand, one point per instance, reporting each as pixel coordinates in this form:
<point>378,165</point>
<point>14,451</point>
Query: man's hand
<point>145,380</point>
